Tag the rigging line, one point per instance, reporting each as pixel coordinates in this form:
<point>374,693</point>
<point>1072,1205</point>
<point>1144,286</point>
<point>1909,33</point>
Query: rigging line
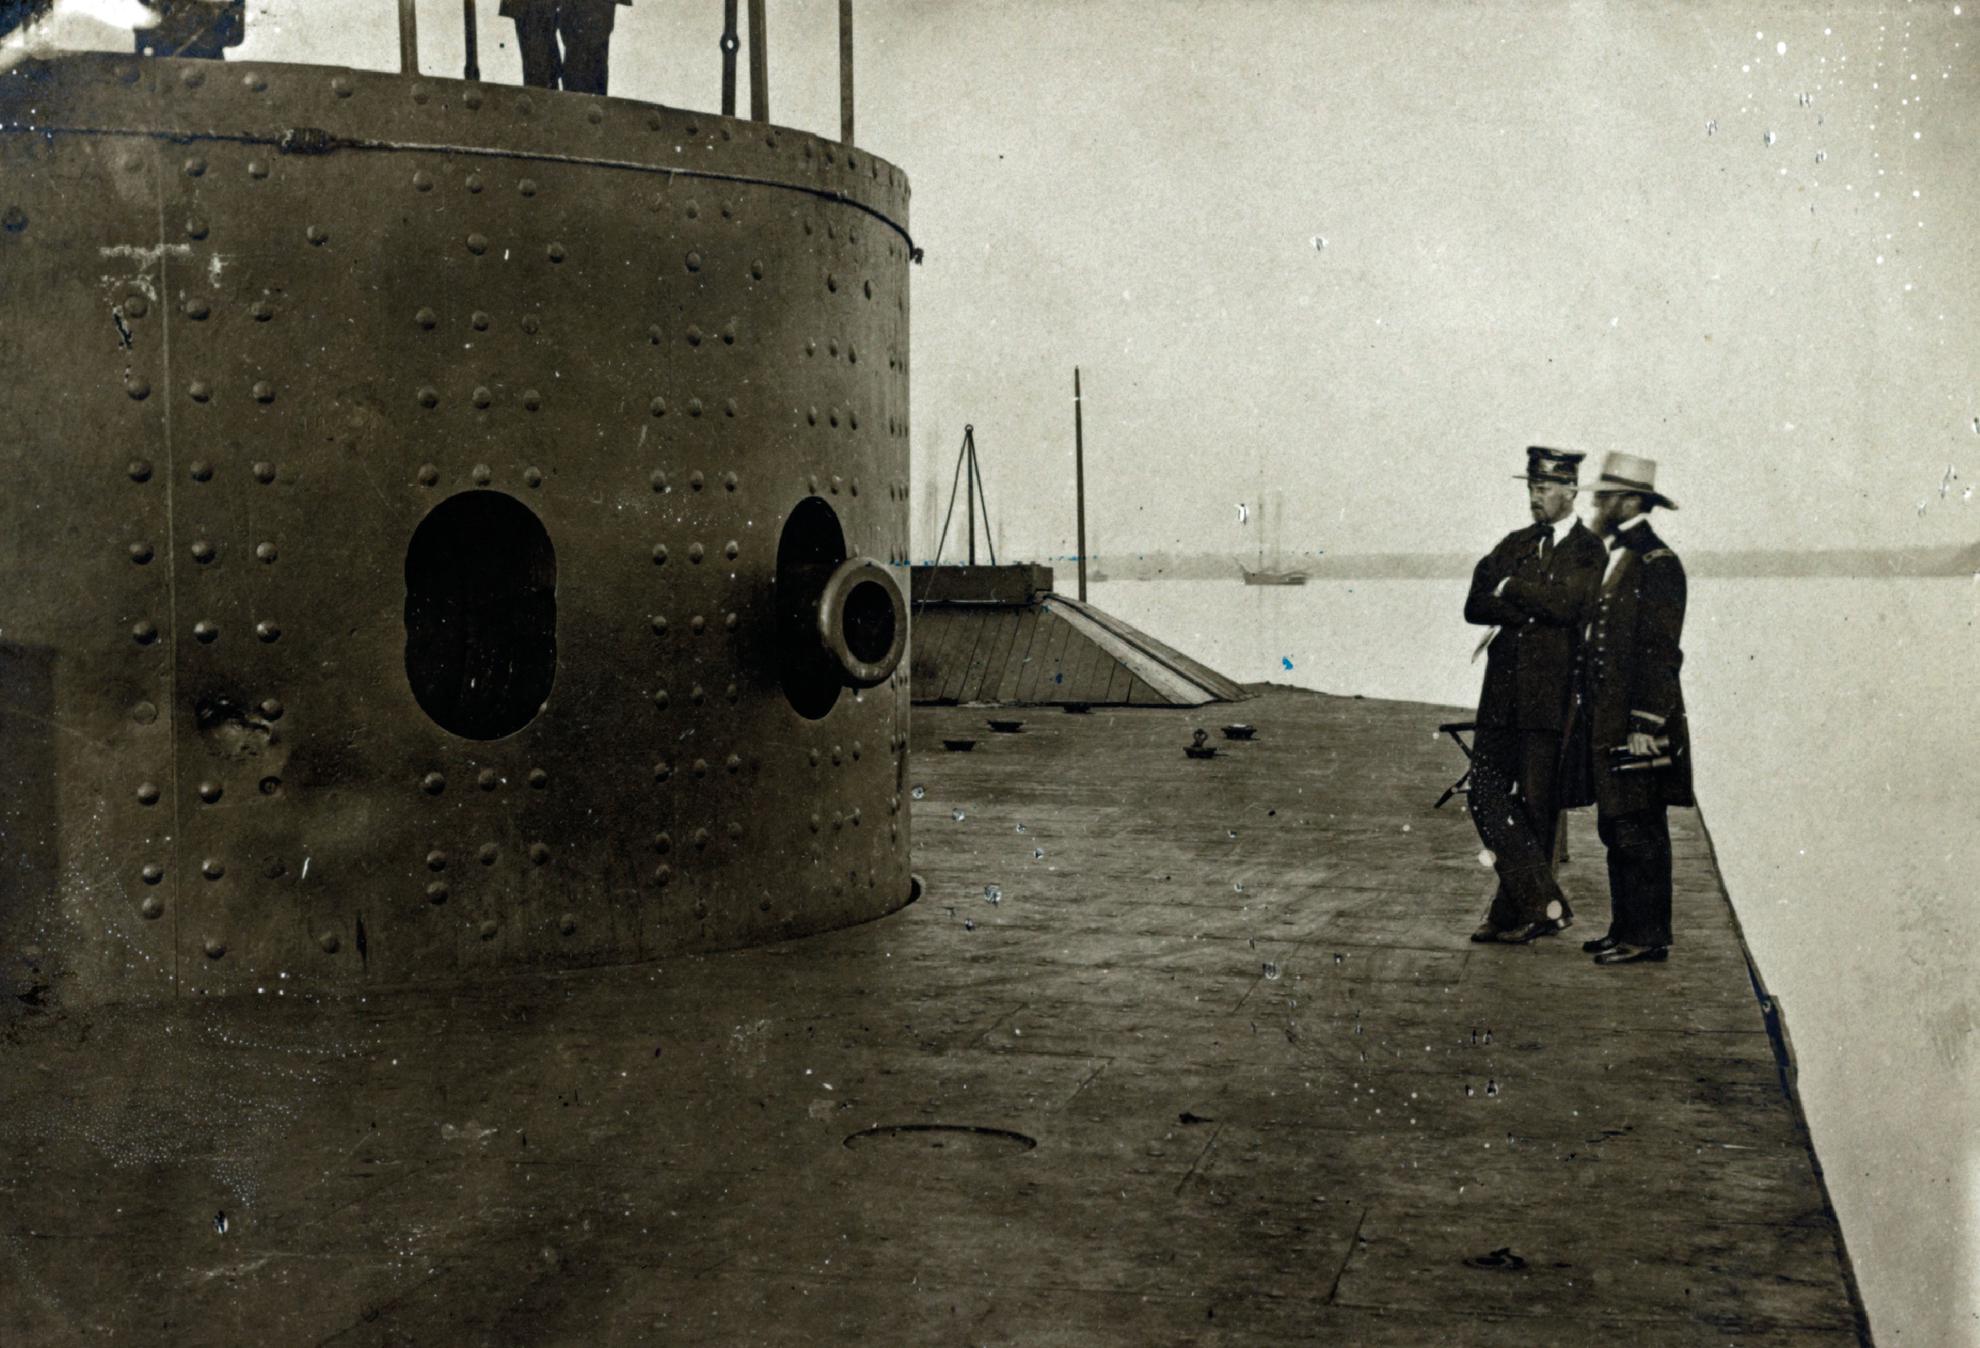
<point>983,498</point>
<point>955,482</point>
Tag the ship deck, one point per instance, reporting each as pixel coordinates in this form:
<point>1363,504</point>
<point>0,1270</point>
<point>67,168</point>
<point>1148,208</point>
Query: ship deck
<point>1270,1092</point>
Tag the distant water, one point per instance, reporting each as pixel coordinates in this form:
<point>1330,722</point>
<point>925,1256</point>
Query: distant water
<point>1836,725</point>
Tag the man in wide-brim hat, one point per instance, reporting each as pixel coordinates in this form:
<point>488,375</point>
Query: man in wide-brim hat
<point>1629,750</point>
<point>1532,590</point>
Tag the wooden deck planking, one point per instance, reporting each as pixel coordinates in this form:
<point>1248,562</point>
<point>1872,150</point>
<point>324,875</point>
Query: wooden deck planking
<point>987,664</point>
<point>1277,1097</point>
<point>1014,666</point>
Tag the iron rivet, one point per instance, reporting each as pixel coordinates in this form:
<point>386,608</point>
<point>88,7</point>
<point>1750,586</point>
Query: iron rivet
<point>202,551</point>
<point>731,621</point>
<point>730,549</point>
<point>151,908</point>
<point>663,842</point>
<point>436,860</point>
<point>139,470</point>
<point>659,554</point>
<point>152,873</point>
<point>487,779</point>
<point>195,166</point>
<point>555,252</point>
<point>527,187</point>
<point>201,470</point>
<point>264,392</point>
<point>653,121</point>
<point>433,783</point>
<point>211,868</point>
<point>136,306</point>
<point>594,116</point>
<point>257,168</point>
<point>700,768</point>
<point>539,853</point>
<point>340,87</point>
<point>538,778</point>
<point>858,749</point>
<point>436,892</point>
<point>816,823</point>
<point>481,475</point>
<point>206,632</point>
<point>700,838</point>
<point>264,551</point>
<point>659,625</point>
<point>428,475</point>
<point>833,416</point>
<point>488,854</point>
<point>728,211</point>
<point>473,181</point>
<point>831,282</point>
<point>567,924</point>
<point>140,553</point>
<point>696,480</point>
<point>732,692</point>
<point>734,830</point>
<point>813,755</point>
<point>147,793</point>
<point>422,180</point>
<point>663,771</point>
<point>419,94</point>
<point>756,271</point>
<point>144,713</point>
<point>869,290</point>
<point>261,311</point>
<point>477,244</point>
<point>729,406</point>
<point>729,481</point>
<point>838,755</point>
<point>698,623</point>
<point>729,333</point>
<point>853,486</point>
<point>658,407</point>
<point>837,482</point>
<point>697,696</point>
<point>694,552</point>
<point>482,397</point>
<point>694,261</point>
<point>734,763</point>
<point>329,942</point>
<point>531,400</point>
<point>197,310</point>
<point>658,478</point>
<point>215,948</point>
<point>267,631</point>
<point>693,210</point>
<point>479,320</point>
<point>271,709</point>
<point>660,699</point>
<point>533,477</point>
<point>811,348</point>
<point>139,389</point>
<point>317,235</point>
<point>832,346</point>
<point>530,324</point>
<point>472,99</point>
<point>662,873</point>
<point>693,336</point>
<point>209,791</point>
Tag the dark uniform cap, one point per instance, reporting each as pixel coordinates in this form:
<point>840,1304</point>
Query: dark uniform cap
<point>1553,465</point>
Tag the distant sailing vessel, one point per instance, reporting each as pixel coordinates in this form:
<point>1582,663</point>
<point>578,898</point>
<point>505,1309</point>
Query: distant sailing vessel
<point>1271,518</point>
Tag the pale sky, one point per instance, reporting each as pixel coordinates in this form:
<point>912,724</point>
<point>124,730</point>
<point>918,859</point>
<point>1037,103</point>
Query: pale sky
<point>1552,223</point>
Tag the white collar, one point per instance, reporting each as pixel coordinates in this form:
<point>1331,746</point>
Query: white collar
<point>1561,527</point>
<point>1634,521</point>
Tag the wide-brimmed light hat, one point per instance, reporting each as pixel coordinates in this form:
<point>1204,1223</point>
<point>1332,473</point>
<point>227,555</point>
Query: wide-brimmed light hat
<point>1627,473</point>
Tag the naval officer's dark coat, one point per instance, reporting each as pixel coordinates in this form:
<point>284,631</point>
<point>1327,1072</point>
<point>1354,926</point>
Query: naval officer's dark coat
<point>1529,667</point>
<point>1629,682</point>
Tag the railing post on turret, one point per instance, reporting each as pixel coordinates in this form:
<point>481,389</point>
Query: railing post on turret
<point>759,64</point>
<point>408,39</point>
<point>846,71</point>
<point>729,44</point>
<point>473,68</point>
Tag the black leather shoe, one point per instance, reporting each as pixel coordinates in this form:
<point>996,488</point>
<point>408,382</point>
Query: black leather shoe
<point>1522,934</point>
<point>1486,932</point>
<point>1634,954</point>
<point>1600,944</point>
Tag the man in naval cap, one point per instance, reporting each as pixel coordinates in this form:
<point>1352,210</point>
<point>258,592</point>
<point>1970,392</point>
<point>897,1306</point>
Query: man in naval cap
<point>1629,752</point>
<point>1532,590</point>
